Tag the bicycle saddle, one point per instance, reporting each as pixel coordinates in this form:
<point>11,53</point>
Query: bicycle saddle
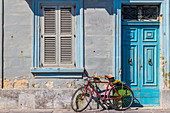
<point>109,77</point>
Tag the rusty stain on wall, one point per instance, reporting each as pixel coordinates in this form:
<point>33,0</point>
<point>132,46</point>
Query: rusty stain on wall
<point>22,53</point>
<point>160,18</point>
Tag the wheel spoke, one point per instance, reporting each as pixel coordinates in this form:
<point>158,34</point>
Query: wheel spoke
<point>126,97</point>
<point>81,99</point>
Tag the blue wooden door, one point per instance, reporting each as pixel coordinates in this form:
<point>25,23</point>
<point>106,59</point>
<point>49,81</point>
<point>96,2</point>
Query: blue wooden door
<point>140,63</point>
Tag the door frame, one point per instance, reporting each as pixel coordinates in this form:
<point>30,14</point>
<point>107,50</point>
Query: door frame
<point>140,80</point>
<point>164,31</point>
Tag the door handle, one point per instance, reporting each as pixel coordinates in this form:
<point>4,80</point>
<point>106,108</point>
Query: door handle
<point>149,61</point>
<point>130,61</point>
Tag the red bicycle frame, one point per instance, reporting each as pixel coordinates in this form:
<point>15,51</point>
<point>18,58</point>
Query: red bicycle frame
<point>108,83</point>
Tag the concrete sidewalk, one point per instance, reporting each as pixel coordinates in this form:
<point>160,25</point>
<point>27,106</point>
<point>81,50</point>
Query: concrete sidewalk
<point>86,111</point>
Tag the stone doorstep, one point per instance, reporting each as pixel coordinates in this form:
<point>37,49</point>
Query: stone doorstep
<point>144,110</point>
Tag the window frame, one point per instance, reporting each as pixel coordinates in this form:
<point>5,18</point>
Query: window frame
<point>57,35</point>
<point>79,41</point>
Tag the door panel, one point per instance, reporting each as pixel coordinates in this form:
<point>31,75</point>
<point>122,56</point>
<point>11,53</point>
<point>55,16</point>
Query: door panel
<point>130,65</point>
<point>140,60</point>
<point>149,75</point>
<point>149,34</point>
<point>130,55</point>
<point>131,34</point>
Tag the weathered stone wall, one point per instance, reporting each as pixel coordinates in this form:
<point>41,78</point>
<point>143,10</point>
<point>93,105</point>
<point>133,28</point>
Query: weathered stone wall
<point>165,99</point>
<point>35,99</point>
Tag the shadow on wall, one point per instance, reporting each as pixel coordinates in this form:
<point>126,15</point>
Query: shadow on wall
<point>33,4</point>
<point>30,4</point>
<point>88,4</point>
<point>99,4</point>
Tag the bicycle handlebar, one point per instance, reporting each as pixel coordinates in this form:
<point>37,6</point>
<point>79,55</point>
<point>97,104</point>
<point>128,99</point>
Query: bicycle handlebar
<point>88,76</point>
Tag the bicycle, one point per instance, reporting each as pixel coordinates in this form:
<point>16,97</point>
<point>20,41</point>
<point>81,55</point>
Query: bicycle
<point>119,95</point>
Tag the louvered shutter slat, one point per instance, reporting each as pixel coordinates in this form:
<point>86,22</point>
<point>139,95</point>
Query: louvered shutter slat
<point>50,50</point>
<point>66,50</point>
<point>66,21</point>
<point>49,21</point>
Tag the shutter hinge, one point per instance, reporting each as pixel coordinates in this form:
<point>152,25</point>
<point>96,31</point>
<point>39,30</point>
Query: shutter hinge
<point>75,6</point>
<point>41,36</point>
<point>74,36</point>
<point>41,64</point>
<point>41,7</point>
<point>75,63</point>
<point>39,27</point>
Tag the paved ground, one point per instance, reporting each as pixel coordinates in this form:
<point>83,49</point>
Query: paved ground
<point>136,110</point>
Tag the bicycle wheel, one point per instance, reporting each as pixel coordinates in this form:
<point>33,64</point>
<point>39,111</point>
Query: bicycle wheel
<point>127,97</point>
<point>81,99</point>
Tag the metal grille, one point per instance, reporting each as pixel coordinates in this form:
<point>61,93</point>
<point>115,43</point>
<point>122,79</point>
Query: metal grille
<point>140,13</point>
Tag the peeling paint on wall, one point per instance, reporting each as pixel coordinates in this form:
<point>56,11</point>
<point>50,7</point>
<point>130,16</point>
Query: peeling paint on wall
<point>49,84</point>
<point>69,85</point>
<point>165,75</point>
<point>7,83</point>
<point>20,83</point>
<point>36,85</point>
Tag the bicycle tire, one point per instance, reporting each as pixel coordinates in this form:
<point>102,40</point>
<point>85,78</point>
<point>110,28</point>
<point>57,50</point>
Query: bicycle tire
<point>123,103</point>
<point>81,99</point>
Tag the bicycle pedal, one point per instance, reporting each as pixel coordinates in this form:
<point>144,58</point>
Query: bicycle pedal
<point>104,101</point>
